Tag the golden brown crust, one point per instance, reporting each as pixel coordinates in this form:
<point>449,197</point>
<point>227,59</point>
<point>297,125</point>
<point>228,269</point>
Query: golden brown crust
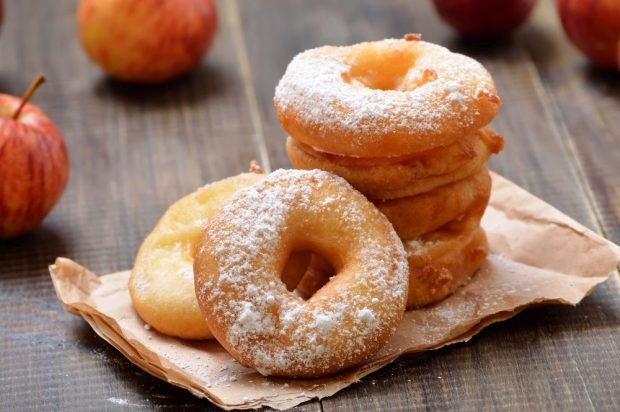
<point>391,178</point>
<point>439,266</point>
<point>417,215</point>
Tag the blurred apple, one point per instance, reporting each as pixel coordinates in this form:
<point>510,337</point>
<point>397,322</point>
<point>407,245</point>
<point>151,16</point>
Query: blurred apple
<point>146,41</point>
<point>34,165</point>
<point>594,27</point>
<point>484,18</point>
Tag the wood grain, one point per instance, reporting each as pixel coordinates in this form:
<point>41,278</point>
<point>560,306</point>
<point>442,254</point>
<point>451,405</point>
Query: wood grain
<point>585,102</point>
<point>134,150</point>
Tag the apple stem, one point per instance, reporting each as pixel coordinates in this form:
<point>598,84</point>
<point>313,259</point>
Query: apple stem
<point>31,89</point>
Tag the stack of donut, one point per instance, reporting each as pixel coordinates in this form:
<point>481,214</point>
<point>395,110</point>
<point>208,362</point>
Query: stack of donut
<point>406,123</point>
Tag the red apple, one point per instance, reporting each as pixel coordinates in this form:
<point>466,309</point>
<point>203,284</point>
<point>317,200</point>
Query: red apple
<point>484,18</point>
<point>594,27</point>
<point>34,165</point>
<point>146,41</point>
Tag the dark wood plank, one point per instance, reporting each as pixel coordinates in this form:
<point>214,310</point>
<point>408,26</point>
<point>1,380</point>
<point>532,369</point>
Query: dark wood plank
<point>587,102</point>
<point>548,358</point>
<point>129,144</point>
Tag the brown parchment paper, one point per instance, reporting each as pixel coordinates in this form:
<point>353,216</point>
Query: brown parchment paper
<point>538,255</point>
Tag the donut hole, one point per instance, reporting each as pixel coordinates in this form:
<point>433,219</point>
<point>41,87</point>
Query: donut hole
<point>305,272</point>
<point>380,69</point>
<point>317,275</point>
<point>296,265</point>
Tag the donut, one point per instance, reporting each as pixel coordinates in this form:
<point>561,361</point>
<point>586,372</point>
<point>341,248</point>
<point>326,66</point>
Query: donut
<point>161,284</point>
<point>244,247</point>
<point>393,97</point>
<point>415,216</point>
<point>390,178</point>
<point>442,262</point>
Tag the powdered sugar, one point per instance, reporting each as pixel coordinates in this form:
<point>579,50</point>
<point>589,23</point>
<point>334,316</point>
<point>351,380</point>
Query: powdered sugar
<point>269,327</point>
<point>313,86</point>
<point>455,95</point>
<point>366,317</point>
<point>415,247</point>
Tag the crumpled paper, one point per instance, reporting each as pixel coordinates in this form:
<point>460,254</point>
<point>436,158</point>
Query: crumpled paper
<point>538,256</point>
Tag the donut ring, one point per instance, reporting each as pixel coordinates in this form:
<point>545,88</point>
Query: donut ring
<point>161,284</point>
<point>441,263</point>
<point>402,177</point>
<point>392,97</point>
<point>244,247</point>
<point>417,215</point>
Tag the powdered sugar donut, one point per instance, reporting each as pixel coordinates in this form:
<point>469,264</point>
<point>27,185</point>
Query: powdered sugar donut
<point>389,97</point>
<point>246,244</point>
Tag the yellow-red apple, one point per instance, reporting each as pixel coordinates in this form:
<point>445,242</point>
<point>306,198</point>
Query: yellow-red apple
<point>484,18</point>
<point>594,27</point>
<point>146,41</point>
<point>34,165</point>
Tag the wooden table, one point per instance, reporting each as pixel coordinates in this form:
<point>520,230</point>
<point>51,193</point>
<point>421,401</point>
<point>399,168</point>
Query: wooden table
<point>134,150</point>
